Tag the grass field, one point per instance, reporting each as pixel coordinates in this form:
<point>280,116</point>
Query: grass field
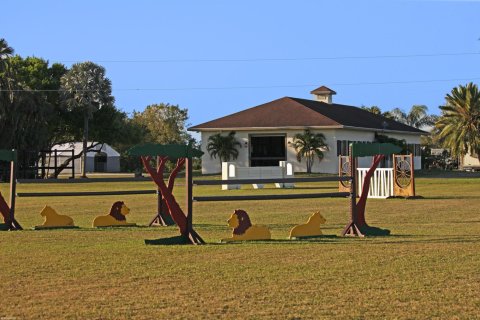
<point>429,268</point>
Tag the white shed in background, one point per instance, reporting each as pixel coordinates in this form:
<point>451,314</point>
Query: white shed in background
<point>103,158</point>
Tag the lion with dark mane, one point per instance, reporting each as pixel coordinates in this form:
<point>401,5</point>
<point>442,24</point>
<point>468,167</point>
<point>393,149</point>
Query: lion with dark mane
<point>116,217</point>
<point>243,229</point>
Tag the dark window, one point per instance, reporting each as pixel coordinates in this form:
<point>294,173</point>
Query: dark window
<point>267,150</point>
<point>414,149</point>
<point>342,147</point>
<point>100,164</point>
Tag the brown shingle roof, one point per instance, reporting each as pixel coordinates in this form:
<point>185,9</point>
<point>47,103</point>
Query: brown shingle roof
<point>294,112</point>
<point>322,89</point>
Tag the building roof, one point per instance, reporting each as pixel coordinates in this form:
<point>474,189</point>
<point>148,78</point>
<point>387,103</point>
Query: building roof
<point>297,113</point>
<point>322,89</point>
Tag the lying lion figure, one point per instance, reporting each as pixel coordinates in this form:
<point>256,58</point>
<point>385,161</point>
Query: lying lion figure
<point>116,217</point>
<point>310,229</point>
<point>53,219</point>
<point>244,230</point>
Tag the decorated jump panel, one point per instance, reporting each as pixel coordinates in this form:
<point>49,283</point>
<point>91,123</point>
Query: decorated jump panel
<point>403,179</point>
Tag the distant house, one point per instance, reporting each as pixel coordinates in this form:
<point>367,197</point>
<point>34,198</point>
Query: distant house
<point>267,131</point>
<point>103,158</point>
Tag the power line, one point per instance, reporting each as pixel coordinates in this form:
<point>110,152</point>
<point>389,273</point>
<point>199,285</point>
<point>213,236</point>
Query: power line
<point>257,87</point>
<point>279,59</point>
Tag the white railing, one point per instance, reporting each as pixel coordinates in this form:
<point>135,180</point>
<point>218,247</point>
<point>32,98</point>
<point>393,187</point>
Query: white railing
<point>381,184</point>
<point>230,171</point>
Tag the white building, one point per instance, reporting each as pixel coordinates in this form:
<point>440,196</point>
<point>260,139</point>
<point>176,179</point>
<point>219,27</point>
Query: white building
<point>266,132</point>
<point>103,158</point>
<point>470,162</point>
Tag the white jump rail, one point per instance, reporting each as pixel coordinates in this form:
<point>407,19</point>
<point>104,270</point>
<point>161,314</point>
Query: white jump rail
<point>381,184</point>
<point>230,171</point>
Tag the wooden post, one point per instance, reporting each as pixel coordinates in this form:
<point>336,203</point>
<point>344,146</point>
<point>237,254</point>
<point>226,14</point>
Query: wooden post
<point>353,187</point>
<point>14,225</point>
<point>73,163</point>
<point>55,162</point>
<point>13,189</point>
<point>44,156</point>
<point>159,194</point>
<point>351,229</point>
<point>158,219</point>
<point>189,192</point>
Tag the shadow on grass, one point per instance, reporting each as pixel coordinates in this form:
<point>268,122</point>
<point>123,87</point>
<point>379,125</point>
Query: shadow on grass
<point>370,240</point>
<point>430,239</point>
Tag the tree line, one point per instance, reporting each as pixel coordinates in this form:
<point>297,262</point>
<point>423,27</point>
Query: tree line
<point>43,105</point>
<point>457,128</point>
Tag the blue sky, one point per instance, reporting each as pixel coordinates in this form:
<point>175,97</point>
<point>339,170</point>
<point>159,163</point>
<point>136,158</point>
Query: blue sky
<point>216,57</point>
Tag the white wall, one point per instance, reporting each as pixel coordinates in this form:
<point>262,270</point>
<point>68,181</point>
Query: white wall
<point>329,164</point>
<point>469,161</point>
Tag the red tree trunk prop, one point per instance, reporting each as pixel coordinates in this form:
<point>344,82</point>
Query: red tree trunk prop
<point>173,207</point>
<point>4,209</point>
<point>7,215</point>
<point>362,202</point>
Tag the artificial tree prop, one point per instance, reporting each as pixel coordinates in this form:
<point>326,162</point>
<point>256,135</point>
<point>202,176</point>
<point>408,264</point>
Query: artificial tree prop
<point>163,216</point>
<point>358,225</point>
<point>173,207</point>
<point>8,212</point>
<point>183,154</point>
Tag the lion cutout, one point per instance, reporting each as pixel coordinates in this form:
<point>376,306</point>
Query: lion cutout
<point>116,217</point>
<point>309,229</point>
<point>54,220</point>
<point>244,230</point>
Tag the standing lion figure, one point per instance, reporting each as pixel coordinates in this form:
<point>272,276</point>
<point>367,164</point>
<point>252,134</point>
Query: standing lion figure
<point>244,230</point>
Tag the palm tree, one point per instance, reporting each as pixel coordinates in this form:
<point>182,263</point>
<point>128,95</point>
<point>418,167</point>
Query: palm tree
<point>225,147</point>
<point>372,109</point>
<point>376,110</point>
<point>86,89</point>
<point>308,145</point>
<point>417,116</point>
<point>459,124</point>
<point>5,53</point>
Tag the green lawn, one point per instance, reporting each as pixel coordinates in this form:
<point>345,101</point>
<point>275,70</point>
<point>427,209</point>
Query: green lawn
<point>428,268</point>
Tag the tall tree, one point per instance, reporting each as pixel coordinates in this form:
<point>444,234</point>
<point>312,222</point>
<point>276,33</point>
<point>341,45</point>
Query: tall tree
<point>459,123</point>
<point>5,53</point>
<point>24,111</point>
<point>417,116</point>
<point>86,88</point>
<point>163,123</point>
<point>309,145</point>
<point>223,147</point>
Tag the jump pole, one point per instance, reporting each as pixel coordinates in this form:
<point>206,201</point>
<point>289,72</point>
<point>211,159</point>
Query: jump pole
<point>13,187</point>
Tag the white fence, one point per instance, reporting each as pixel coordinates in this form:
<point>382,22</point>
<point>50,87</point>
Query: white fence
<point>230,171</point>
<point>381,184</point>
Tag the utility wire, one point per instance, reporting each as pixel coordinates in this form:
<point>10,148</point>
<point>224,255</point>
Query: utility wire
<point>426,55</point>
<point>256,87</point>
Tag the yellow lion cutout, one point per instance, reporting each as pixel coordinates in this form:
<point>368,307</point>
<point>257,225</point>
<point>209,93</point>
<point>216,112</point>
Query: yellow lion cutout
<point>116,217</point>
<point>244,230</point>
<point>310,229</point>
<point>54,220</point>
